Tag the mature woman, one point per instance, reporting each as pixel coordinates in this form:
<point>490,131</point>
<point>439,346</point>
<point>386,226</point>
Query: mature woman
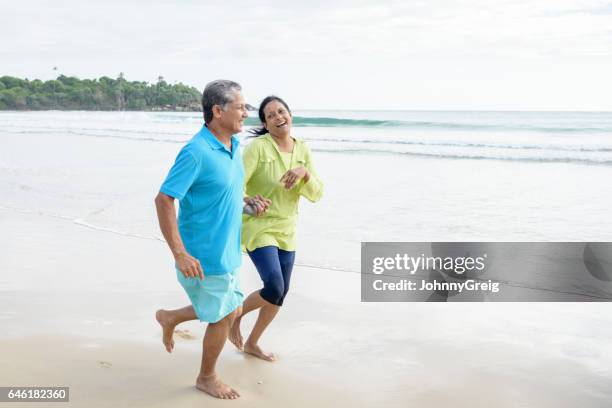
<point>278,167</point>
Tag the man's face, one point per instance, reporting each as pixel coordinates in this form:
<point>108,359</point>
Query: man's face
<point>232,118</point>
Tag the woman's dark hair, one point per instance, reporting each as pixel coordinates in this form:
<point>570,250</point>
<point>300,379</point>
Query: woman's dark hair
<point>260,131</point>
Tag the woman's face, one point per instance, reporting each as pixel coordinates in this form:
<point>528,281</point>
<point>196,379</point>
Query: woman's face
<point>278,119</point>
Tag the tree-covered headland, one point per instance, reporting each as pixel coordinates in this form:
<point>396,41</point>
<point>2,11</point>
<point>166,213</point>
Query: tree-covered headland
<point>71,93</point>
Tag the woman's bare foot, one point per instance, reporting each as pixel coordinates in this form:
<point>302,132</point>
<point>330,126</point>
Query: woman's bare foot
<point>235,336</point>
<point>214,386</point>
<point>255,350</point>
<point>163,318</point>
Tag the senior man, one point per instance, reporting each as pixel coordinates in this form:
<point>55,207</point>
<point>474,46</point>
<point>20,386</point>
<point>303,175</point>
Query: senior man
<point>208,180</point>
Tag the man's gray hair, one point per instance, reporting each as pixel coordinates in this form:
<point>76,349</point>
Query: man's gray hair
<point>219,92</point>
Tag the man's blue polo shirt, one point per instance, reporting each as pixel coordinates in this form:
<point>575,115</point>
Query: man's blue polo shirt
<point>208,181</point>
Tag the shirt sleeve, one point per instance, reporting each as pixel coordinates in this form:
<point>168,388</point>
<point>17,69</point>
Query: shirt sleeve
<point>181,176</point>
<point>313,189</point>
<point>250,157</point>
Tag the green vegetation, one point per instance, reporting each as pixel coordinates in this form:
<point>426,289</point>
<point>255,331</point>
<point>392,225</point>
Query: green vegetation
<point>70,93</point>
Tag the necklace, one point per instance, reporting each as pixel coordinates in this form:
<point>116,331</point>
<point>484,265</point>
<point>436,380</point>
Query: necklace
<point>288,166</point>
<point>292,151</point>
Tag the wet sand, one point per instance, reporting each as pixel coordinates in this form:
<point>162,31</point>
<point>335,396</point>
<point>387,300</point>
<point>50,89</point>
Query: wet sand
<point>77,310</point>
<point>129,374</point>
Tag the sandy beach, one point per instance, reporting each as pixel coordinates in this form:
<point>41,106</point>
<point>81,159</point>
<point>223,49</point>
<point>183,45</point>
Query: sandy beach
<point>94,332</point>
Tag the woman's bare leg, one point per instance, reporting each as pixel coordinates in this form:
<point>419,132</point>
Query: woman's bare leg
<point>266,314</point>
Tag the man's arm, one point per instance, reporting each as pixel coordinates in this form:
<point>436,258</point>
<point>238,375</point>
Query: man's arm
<point>166,214</point>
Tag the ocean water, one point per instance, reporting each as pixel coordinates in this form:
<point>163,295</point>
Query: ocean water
<point>389,175</point>
<point>573,137</point>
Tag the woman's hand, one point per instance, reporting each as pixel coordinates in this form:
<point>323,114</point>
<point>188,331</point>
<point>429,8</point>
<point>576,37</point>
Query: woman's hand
<point>291,177</point>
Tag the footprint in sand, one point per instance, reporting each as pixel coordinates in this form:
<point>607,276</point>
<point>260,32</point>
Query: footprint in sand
<point>185,334</point>
<point>104,364</point>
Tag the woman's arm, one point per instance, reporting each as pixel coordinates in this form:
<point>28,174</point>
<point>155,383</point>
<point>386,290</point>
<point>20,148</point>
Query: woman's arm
<point>311,186</point>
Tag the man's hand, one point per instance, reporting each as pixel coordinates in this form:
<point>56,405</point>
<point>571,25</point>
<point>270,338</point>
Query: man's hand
<point>291,177</point>
<point>189,266</point>
<point>258,203</point>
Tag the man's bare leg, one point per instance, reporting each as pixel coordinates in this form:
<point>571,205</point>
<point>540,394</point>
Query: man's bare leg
<point>252,302</point>
<point>169,319</point>
<point>214,340</point>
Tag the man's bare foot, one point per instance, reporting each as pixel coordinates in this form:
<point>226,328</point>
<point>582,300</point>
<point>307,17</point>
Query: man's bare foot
<point>165,322</point>
<point>258,352</point>
<point>235,336</point>
<point>214,386</point>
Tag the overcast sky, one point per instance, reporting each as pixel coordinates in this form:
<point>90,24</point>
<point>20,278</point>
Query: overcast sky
<point>474,54</point>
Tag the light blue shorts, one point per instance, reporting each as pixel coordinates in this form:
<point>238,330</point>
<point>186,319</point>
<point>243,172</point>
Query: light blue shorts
<point>215,296</point>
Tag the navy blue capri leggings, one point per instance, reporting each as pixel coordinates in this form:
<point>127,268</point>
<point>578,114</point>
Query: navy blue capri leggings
<point>274,266</point>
